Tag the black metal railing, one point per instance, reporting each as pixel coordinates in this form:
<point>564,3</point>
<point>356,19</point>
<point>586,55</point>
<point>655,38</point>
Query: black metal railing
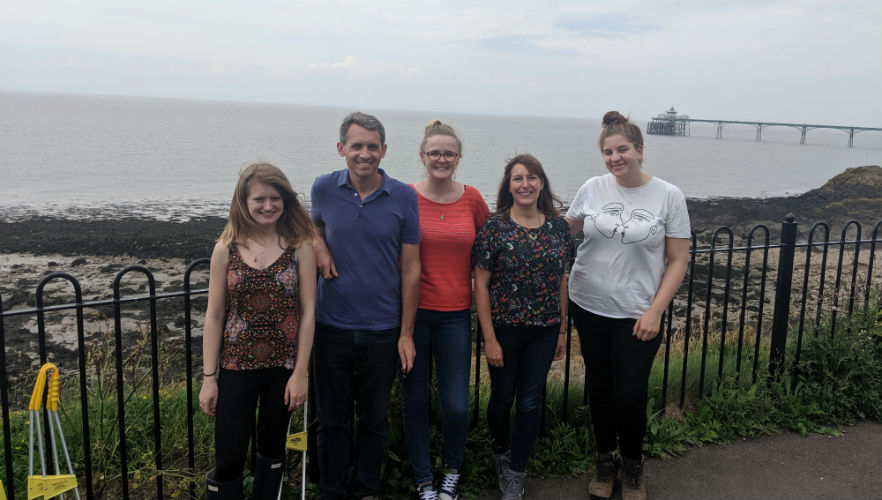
<point>734,292</point>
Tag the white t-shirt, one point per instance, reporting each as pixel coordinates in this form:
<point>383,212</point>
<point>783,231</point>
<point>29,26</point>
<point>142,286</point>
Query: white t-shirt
<point>620,265</point>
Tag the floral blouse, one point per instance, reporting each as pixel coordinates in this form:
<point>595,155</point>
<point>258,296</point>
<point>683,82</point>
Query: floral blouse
<point>262,313</point>
<point>526,266</point>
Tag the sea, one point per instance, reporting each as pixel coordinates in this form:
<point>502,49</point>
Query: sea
<point>77,156</point>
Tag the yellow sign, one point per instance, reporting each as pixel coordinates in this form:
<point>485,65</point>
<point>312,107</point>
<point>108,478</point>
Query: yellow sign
<point>50,486</point>
<point>296,441</point>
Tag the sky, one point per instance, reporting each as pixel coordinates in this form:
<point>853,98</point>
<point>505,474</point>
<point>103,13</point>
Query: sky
<point>799,61</point>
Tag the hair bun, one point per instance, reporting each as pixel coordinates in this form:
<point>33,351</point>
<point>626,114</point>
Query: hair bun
<point>433,124</point>
<point>613,118</point>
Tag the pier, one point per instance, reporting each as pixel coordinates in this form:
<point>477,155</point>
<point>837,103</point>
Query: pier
<point>672,123</point>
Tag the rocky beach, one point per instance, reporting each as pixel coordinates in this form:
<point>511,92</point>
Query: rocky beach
<point>93,251</point>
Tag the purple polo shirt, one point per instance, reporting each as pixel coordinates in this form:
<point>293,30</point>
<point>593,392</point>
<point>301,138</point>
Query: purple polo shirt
<point>365,239</point>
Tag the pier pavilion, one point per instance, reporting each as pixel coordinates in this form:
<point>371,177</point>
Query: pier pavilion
<point>672,123</point>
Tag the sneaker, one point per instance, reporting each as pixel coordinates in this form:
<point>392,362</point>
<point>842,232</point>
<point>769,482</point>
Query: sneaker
<point>450,485</point>
<point>633,486</point>
<point>514,484</point>
<point>427,492</point>
<point>604,479</point>
<point>500,461</point>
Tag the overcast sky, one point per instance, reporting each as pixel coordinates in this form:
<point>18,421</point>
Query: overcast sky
<point>806,61</point>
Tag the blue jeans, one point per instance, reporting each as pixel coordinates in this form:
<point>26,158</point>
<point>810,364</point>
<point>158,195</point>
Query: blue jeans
<point>347,363</point>
<point>617,367</point>
<point>446,336</point>
<point>527,353</point>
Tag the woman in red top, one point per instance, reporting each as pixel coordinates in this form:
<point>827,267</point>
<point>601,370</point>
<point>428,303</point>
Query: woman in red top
<point>259,328</point>
<point>450,215</point>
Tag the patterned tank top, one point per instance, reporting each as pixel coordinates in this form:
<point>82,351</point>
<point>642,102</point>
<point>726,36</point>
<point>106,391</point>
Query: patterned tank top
<point>262,313</point>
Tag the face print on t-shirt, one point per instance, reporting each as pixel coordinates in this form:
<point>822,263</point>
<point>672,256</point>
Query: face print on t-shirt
<point>609,220</point>
<point>639,225</point>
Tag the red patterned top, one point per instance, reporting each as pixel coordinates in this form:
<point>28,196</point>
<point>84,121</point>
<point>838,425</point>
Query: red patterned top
<point>262,313</point>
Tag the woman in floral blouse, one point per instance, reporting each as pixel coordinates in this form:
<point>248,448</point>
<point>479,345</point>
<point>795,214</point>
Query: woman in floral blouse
<point>520,256</point>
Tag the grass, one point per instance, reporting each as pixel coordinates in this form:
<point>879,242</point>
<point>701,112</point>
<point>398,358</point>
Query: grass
<point>837,382</point>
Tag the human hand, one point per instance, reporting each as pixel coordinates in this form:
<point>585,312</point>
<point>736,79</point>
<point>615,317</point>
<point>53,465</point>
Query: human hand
<point>493,353</point>
<point>324,261</point>
<point>295,391</point>
<point>561,349</point>
<point>406,353</point>
<point>647,325</point>
<point>208,395</point>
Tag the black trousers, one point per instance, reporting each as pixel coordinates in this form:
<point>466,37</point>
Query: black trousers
<point>239,394</point>
<point>617,367</point>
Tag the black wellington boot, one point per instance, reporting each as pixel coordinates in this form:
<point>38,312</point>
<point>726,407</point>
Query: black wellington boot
<point>215,490</point>
<point>267,477</point>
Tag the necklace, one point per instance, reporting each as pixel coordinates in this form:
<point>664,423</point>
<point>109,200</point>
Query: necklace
<point>532,232</point>
<point>265,250</point>
<point>442,214</point>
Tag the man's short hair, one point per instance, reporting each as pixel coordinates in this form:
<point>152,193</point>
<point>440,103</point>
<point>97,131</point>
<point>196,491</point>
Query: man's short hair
<point>369,122</point>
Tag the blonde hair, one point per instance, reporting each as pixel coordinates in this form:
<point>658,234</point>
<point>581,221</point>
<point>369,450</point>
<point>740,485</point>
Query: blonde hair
<point>437,127</point>
<point>294,225</point>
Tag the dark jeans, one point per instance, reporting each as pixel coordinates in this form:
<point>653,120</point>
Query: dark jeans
<point>617,368</point>
<point>526,356</point>
<point>349,363</point>
<point>239,392</point>
<point>445,336</point>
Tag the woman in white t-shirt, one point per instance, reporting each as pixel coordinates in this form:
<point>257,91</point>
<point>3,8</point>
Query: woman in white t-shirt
<point>627,270</point>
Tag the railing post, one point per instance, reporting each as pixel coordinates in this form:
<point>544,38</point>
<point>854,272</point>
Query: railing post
<point>781,315</point>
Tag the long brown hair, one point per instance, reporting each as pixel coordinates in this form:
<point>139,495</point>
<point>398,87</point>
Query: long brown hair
<point>548,203</point>
<point>294,225</point>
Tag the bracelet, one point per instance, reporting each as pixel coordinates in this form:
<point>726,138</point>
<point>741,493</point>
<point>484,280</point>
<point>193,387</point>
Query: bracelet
<point>204,375</point>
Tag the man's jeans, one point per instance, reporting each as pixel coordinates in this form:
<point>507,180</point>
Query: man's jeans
<point>445,336</point>
<point>527,353</point>
<point>347,363</point>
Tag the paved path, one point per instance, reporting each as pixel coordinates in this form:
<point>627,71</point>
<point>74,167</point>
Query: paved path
<point>769,467</point>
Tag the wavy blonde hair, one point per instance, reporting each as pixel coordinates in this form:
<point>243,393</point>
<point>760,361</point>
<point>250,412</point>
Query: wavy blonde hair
<point>294,225</point>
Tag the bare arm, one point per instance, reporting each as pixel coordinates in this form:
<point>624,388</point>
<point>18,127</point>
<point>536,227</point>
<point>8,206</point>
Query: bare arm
<point>410,297</point>
<point>647,325</point>
<point>323,258</point>
<point>212,331</point>
<point>492,349</point>
<point>562,338</point>
<point>295,390</point>
<point>575,225</point>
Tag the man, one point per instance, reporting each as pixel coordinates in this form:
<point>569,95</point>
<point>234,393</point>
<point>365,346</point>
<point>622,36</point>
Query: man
<point>367,254</point>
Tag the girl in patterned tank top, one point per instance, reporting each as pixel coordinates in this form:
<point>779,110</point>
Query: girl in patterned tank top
<point>258,330</point>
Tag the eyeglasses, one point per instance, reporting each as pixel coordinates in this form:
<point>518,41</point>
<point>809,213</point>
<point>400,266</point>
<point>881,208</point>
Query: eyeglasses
<point>436,155</point>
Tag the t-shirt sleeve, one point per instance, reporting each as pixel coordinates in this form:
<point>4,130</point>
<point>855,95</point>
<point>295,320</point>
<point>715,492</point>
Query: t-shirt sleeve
<point>577,210</point>
<point>315,211</point>
<point>410,230</point>
<point>484,249</point>
<point>677,225</point>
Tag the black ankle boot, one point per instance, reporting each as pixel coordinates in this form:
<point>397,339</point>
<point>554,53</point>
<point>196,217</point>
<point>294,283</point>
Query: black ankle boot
<point>215,490</point>
<point>267,477</point>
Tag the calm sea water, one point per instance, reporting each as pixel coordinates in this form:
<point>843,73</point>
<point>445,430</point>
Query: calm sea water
<point>82,156</point>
